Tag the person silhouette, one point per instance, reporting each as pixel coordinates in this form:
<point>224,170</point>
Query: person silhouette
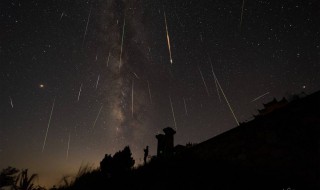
<point>146,152</point>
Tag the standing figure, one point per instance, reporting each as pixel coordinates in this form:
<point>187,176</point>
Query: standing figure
<point>146,152</point>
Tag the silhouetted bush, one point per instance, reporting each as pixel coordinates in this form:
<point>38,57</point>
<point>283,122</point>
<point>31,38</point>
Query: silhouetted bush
<point>8,176</point>
<point>11,178</point>
<point>119,164</point>
<point>25,182</point>
<point>86,178</point>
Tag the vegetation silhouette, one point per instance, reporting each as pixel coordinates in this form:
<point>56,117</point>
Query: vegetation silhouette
<point>120,164</point>
<point>114,172</point>
<point>25,182</point>
<point>87,175</point>
<point>13,179</point>
<point>8,176</point>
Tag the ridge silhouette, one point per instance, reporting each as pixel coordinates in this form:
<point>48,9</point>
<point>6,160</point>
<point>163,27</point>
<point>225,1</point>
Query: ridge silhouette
<point>278,149</point>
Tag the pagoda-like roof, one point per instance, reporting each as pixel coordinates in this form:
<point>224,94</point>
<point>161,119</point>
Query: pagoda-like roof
<point>273,105</point>
<point>169,131</point>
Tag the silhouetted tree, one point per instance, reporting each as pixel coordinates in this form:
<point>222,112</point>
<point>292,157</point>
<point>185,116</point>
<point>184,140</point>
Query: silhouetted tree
<point>8,176</point>
<point>106,164</point>
<point>120,163</point>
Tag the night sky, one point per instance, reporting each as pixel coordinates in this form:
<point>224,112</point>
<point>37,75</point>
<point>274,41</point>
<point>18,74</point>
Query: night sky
<point>83,78</point>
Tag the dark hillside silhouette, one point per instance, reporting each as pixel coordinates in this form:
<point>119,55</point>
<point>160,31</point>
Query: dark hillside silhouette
<point>279,149</point>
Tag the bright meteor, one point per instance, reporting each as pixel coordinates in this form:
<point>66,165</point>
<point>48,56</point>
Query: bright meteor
<point>168,38</point>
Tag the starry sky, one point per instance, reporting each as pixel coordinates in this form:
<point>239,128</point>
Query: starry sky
<point>83,78</point>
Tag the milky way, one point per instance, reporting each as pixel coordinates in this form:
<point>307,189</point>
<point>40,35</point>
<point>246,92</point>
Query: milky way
<point>127,40</point>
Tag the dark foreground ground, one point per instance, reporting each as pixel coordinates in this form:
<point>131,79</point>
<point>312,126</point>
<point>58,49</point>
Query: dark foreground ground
<point>279,150</point>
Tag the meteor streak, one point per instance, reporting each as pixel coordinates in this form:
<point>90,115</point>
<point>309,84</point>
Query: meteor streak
<point>201,37</point>
<point>108,59</point>
<point>185,106</point>
<point>241,13</point>
<point>45,138</point>
<point>62,14</point>
<point>257,98</point>
<point>124,24</point>
<point>68,147</point>
<point>79,92</point>
<point>168,38</point>
<point>97,81</point>
<point>215,80</point>
<point>216,83</point>
<point>11,102</point>
<point>174,118</point>
<point>204,82</point>
<point>95,121</point>
<point>132,97</point>
<point>225,98</point>
<point>149,92</point>
<point>85,32</point>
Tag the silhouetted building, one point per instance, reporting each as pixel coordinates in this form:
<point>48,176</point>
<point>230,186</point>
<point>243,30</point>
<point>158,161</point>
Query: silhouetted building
<point>165,142</point>
<point>179,148</point>
<point>272,106</point>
